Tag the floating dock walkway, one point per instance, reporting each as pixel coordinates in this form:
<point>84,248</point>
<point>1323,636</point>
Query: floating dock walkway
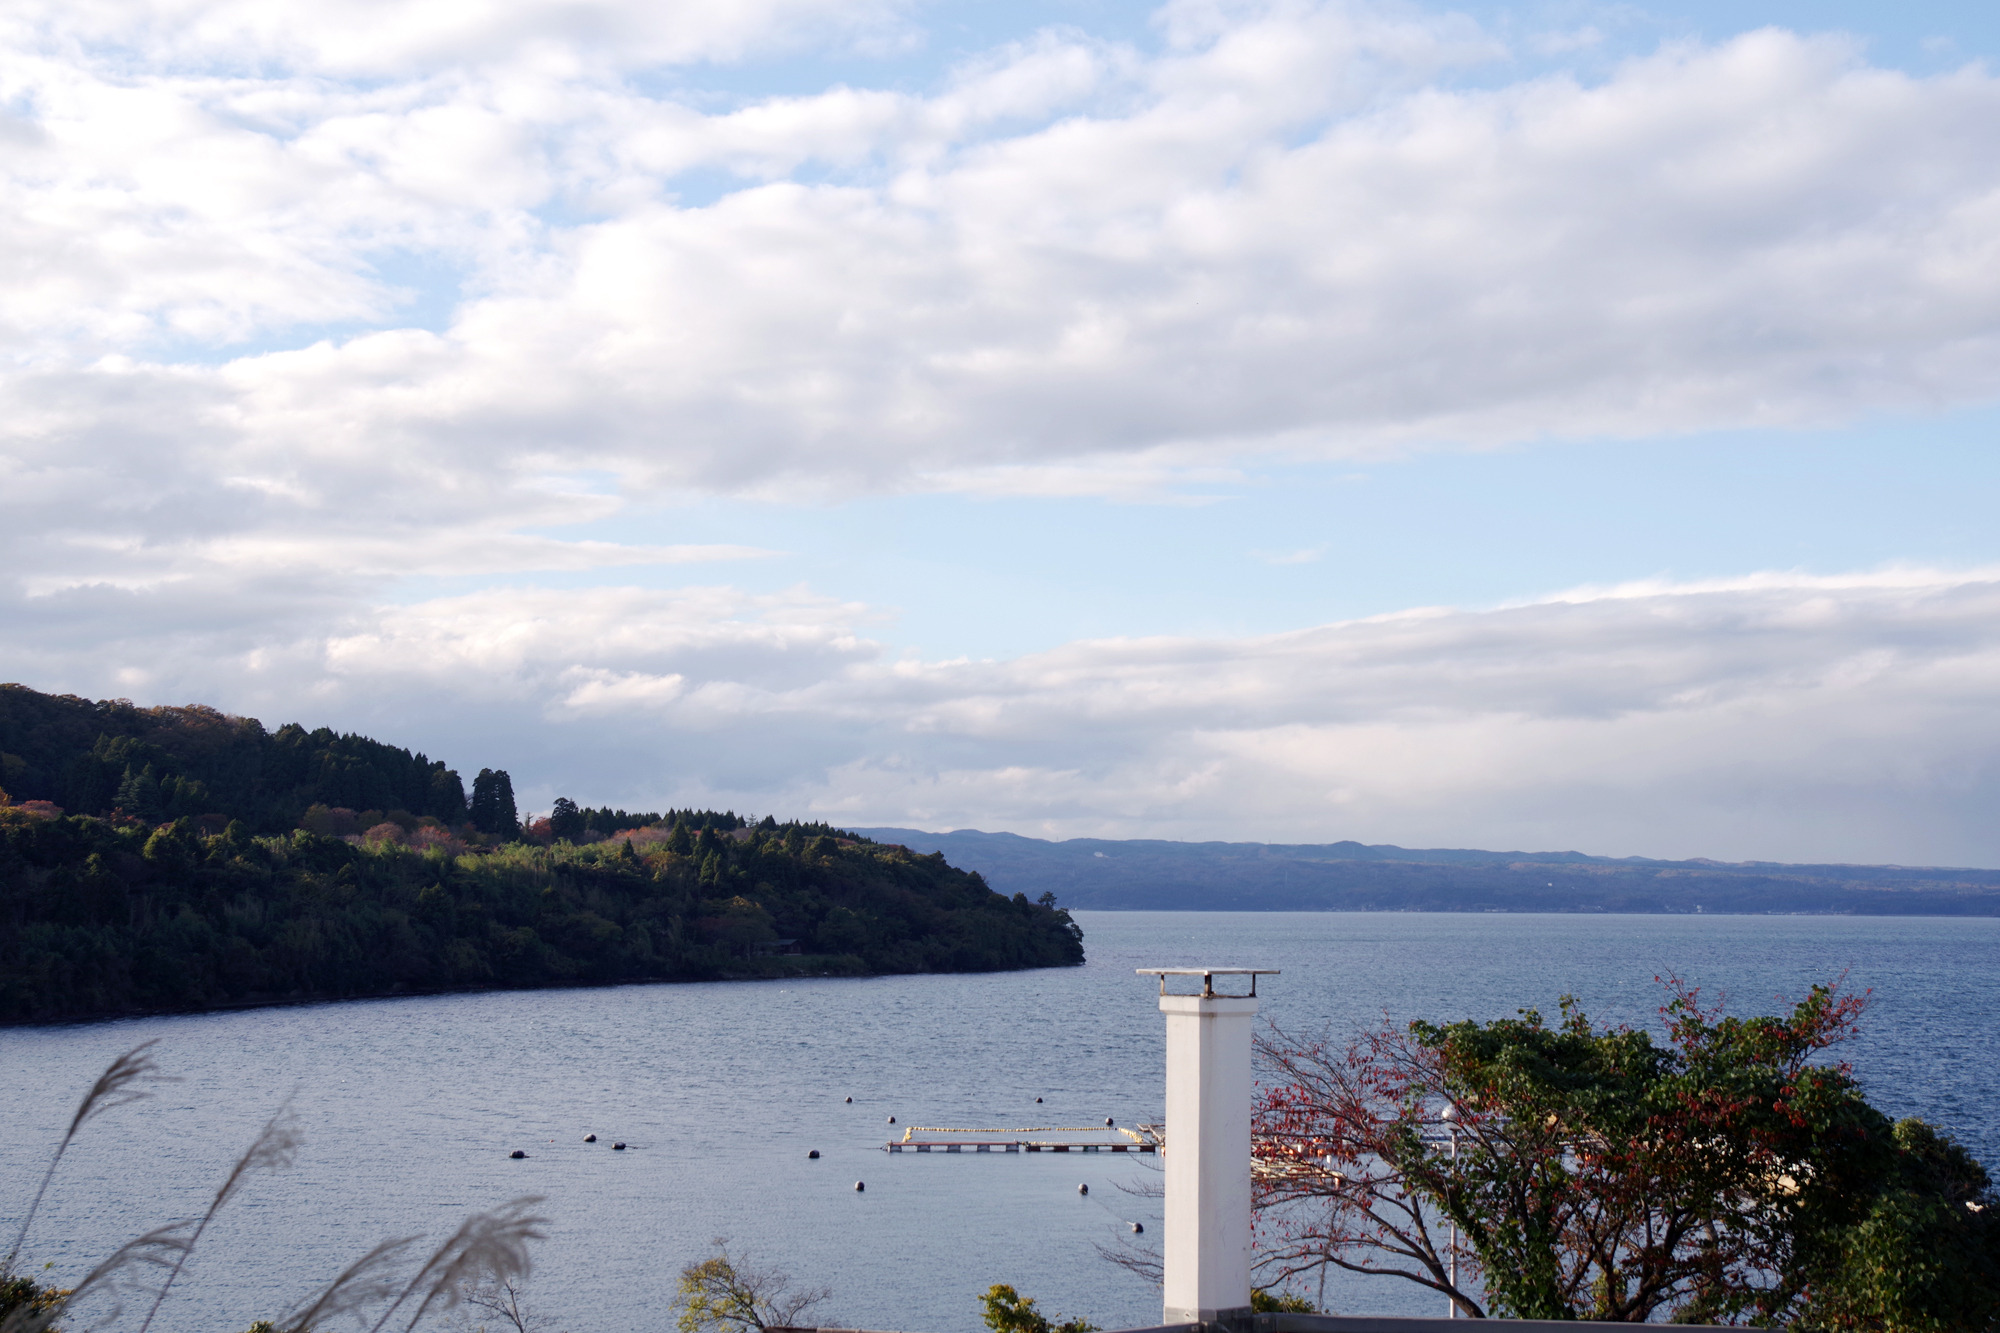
<point>1145,1139</point>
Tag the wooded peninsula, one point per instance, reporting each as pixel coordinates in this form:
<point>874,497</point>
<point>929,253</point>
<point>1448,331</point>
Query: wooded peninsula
<point>162,859</point>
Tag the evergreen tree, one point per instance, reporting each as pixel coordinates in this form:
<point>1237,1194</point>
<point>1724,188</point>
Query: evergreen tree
<point>139,793</point>
<point>493,803</point>
<point>506,819</point>
<point>446,795</point>
<point>174,851</point>
<point>566,822</point>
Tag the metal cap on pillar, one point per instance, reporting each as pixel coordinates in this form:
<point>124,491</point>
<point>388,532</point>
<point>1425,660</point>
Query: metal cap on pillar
<point>1207,1153</point>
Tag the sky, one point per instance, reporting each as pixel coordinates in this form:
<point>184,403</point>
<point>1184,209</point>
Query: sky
<point>1532,426</point>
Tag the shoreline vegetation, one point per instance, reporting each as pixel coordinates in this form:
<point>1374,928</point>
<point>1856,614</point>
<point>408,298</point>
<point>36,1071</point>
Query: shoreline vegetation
<point>177,859</point>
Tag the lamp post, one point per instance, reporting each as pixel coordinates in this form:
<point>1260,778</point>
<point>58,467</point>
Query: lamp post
<point>1450,1117</point>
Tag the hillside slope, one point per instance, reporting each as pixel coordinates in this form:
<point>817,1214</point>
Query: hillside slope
<point>184,883</point>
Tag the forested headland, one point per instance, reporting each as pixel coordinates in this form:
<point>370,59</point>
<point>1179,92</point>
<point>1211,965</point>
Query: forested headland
<point>158,859</point>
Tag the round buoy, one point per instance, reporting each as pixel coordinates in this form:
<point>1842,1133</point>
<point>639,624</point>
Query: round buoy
<point>813,1156</point>
<point>1083,1189</point>
<point>517,1154</point>
<point>1138,1226</point>
<point>618,1147</point>
<point>1107,1122</point>
<point>860,1185</point>
<point>1038,1101</point>
<point>850,1101</point>
<point>892,1120</point>
<point>590,1138</point>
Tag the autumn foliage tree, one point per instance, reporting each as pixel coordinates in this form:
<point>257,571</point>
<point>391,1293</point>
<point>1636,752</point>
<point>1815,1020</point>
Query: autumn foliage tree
<point>1563,1171</point>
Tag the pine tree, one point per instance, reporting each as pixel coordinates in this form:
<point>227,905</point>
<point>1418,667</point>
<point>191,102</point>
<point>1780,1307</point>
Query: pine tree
<point>506,819</point>
<point>493,804</point>
<point>139,793</point>
<point>483,801</point>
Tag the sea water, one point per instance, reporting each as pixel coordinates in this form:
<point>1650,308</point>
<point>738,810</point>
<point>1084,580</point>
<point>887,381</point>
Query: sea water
<point>410,1107</point>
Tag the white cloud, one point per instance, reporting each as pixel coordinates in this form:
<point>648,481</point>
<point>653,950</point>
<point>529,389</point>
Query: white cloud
<point>385,37</point>
<point>1779,717</point>
<point>1073,263</point>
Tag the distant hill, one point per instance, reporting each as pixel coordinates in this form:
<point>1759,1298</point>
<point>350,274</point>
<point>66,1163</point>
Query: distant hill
<point>1353,876</point>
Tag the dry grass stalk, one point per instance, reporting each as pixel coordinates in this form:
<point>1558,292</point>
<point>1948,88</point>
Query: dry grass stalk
<point>488,1251</point>
<point>162,1247</point>
<point>273,1150</point>
<point>363,1283</point>
<point>487,1247</point>
<point>119,1085</point>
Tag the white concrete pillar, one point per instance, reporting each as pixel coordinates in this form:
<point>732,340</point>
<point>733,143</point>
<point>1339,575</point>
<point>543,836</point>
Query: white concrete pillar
<point>1207,1241</point>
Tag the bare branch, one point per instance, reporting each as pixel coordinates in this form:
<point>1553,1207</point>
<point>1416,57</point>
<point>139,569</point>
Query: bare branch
<point>502,1298</point>
<point>1142,1260</point>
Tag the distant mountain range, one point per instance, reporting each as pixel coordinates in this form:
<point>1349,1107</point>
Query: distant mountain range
<point>1353,876</point>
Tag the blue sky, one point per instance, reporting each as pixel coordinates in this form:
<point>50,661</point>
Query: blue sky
<point>1279,548</point>
<point>1530,425</point>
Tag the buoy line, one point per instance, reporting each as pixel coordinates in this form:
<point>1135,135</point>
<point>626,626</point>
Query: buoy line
<point>1133,1135</point>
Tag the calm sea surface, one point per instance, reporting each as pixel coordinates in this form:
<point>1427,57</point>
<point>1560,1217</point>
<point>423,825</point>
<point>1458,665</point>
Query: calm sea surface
<point>410,1107</point>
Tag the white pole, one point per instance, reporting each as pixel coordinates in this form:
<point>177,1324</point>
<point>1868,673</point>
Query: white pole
<point>1450,1117</point>
<point>1207,1241</point>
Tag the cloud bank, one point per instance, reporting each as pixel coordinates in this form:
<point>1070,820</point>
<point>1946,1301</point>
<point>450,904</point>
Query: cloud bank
<point>1775,717</point>
<point>233,263</point>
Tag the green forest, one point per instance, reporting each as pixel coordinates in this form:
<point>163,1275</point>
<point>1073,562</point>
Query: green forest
<point>156,859</point>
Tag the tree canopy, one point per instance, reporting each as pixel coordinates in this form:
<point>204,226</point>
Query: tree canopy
<point>101,918</point>
<point>105,757</point>
<point>1733,1173</point>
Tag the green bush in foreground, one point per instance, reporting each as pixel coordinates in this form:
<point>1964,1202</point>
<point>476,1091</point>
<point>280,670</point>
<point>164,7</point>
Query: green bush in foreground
<point>1283,1302</point>
<point>721,1294</point>
<point>1007,1311</point>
